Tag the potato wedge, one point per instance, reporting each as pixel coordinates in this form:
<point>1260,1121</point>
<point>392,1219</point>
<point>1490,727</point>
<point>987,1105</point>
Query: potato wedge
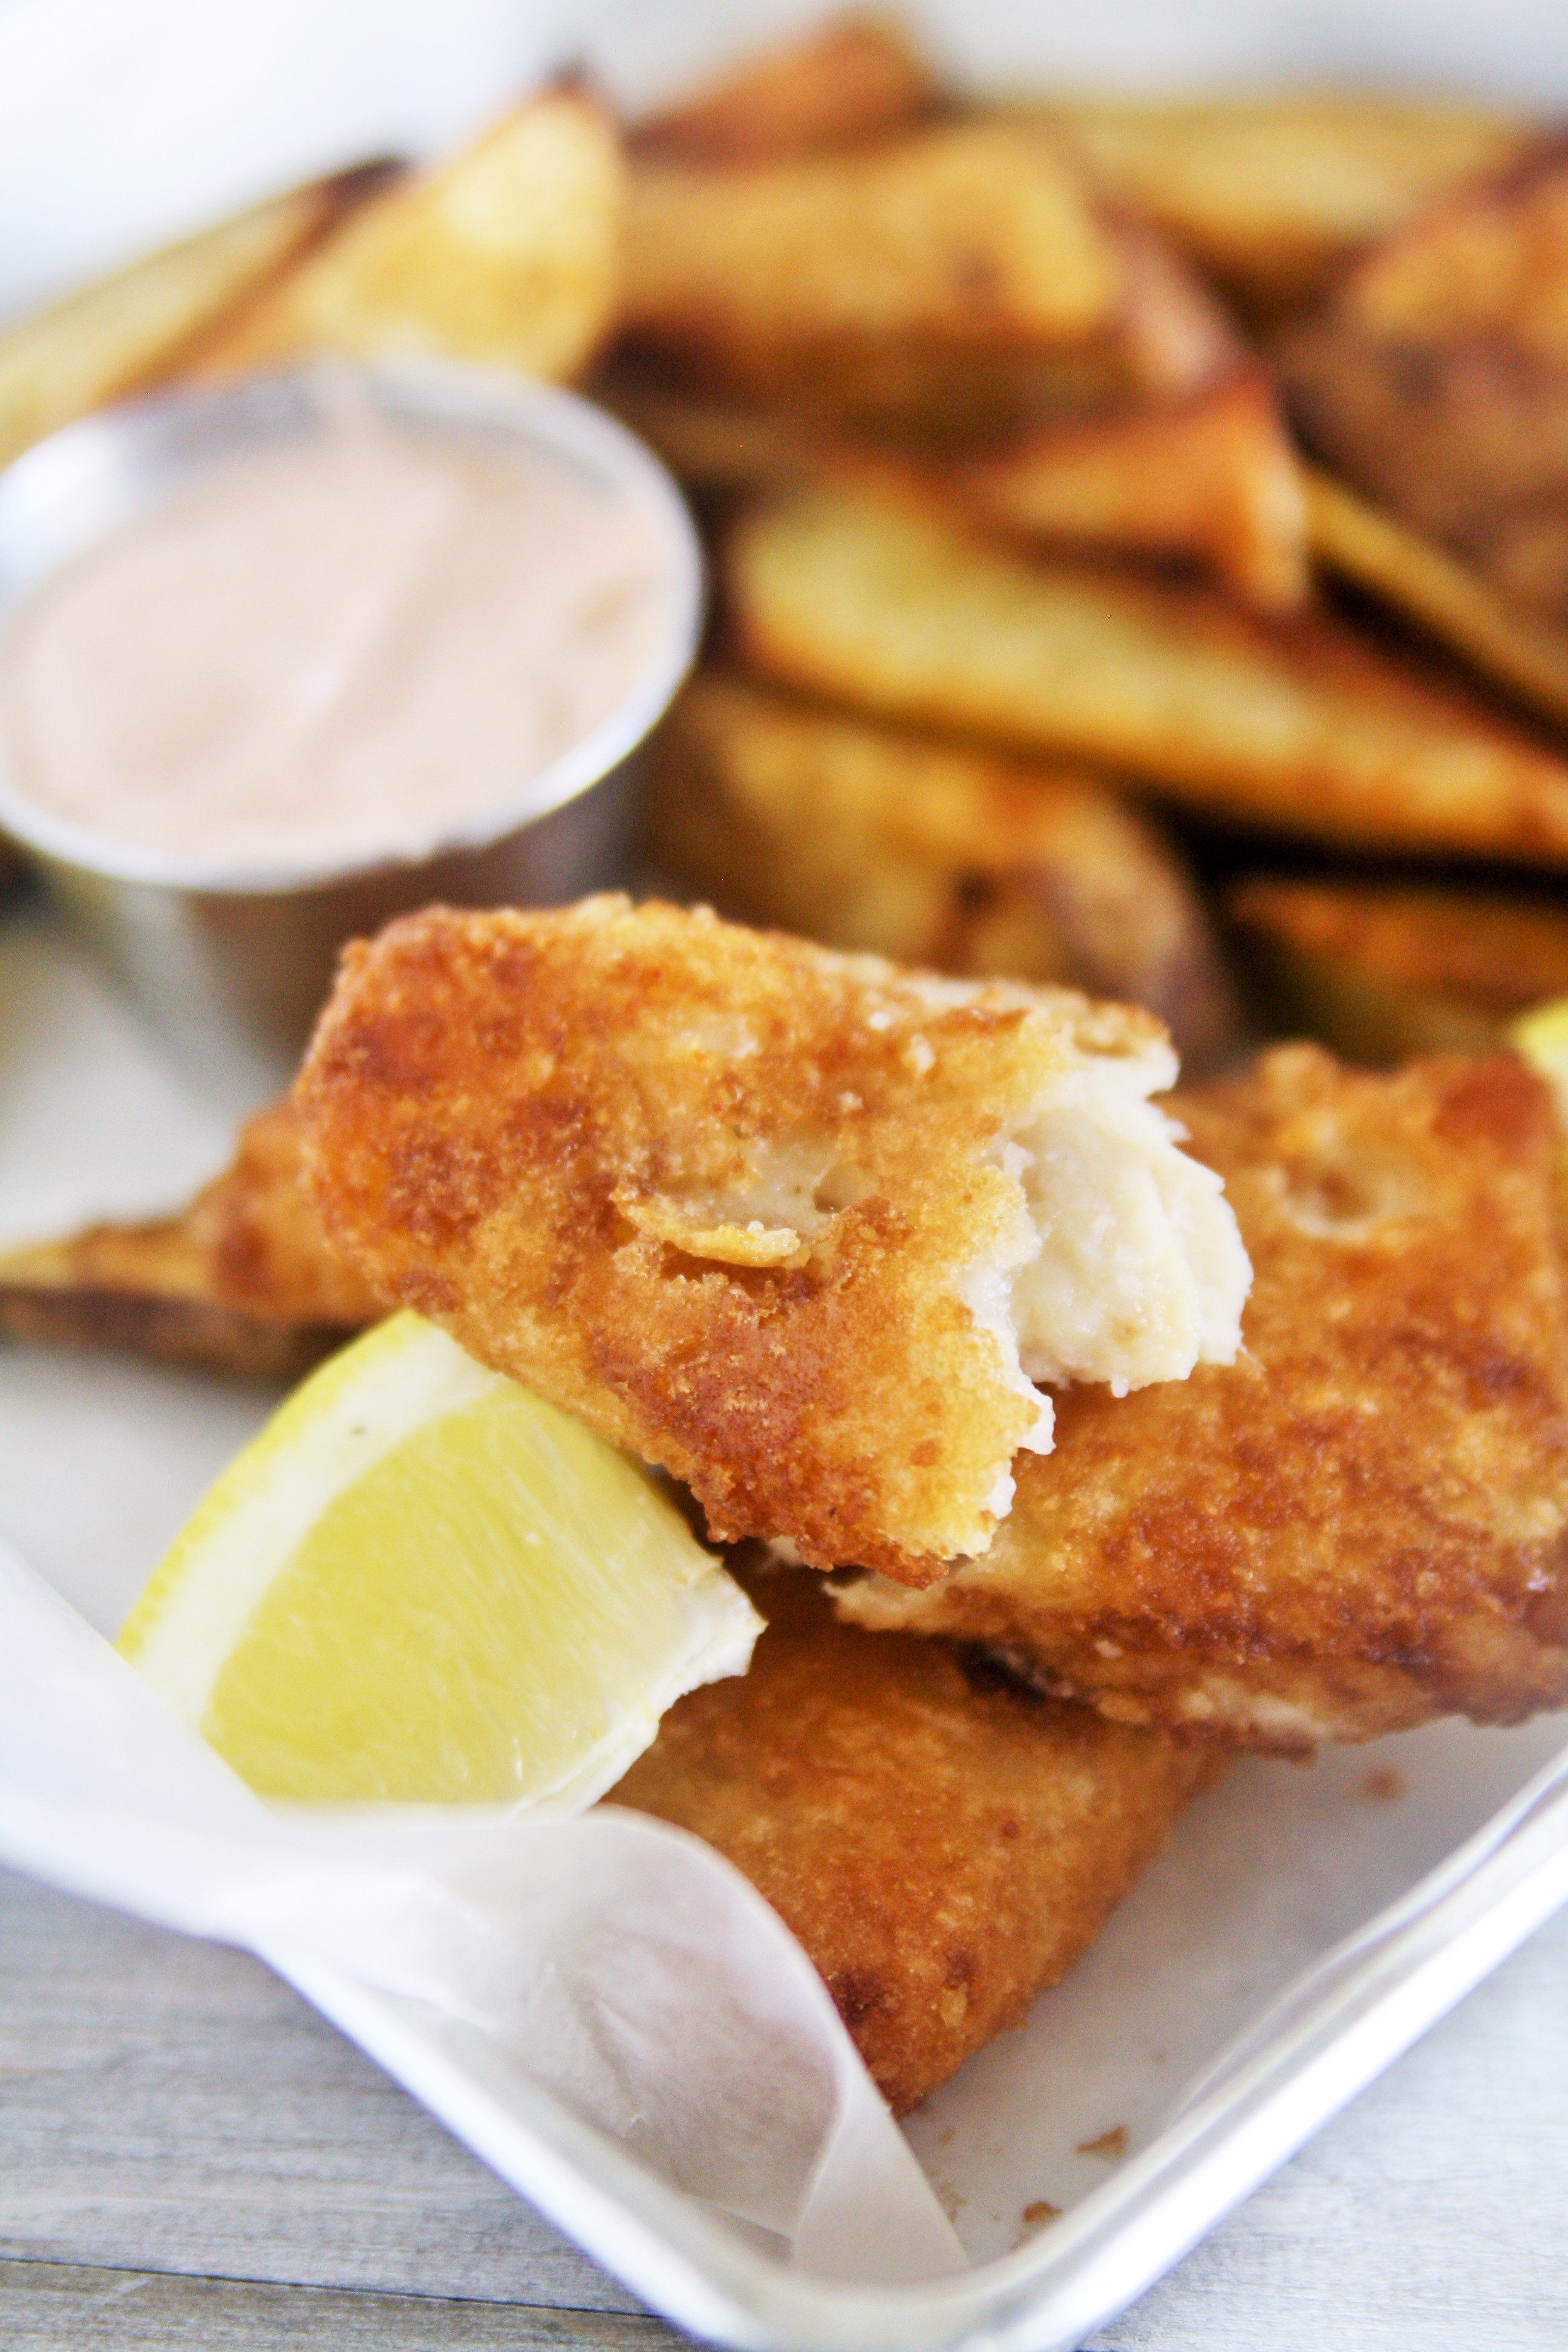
<point>1212,477</point>
<point>854,79</point>
<point>506,255</point>
<point>1273,193</point>
<point>961,265</point>
<point>1425,584</point>
<point>1208,478</point>
<point>895,607</point>
<point>243,1282</point>
<point>1384,971</point>
<point>1435,382</point>
<point>715,442</point>
<point>930,853</point>
<point>125,331</point>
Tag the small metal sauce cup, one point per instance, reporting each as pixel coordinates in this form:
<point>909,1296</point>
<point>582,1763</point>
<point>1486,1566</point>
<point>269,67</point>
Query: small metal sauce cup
<point>231,967</point>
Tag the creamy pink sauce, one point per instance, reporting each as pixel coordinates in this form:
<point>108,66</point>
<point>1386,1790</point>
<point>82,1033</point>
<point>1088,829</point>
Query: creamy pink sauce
<point>346,647</point>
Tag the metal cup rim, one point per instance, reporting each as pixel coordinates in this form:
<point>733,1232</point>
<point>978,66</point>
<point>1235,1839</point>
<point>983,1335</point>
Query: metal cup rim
<point>436,392</point>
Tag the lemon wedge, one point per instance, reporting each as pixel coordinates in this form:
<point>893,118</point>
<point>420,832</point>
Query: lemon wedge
<point>423,1584</point>
<point>1541,1036</point>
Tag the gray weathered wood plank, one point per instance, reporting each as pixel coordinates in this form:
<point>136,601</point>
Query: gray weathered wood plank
<point>1432,2216</point>
<point>167,2105</point>
<point>68,2307</point>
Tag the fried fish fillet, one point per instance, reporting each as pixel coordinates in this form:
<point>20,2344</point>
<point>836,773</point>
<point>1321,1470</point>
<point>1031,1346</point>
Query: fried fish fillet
<point>895,606</point>
<point>507,255</point>
<point>1273,193</point>
<point>932,854</point>
<point>243,1282</point>
<point>833,86</point>
<point>801,1227</point>
<point>1363,1523</point>
<point>1383,971</point>
<point>942,1842</point>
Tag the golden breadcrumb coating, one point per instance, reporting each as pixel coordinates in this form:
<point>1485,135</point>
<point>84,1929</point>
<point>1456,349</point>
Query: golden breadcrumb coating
<point>1362,1525</point>
<point>942,1842</point>
<point>800,1227</point>
<point>243,1281</point>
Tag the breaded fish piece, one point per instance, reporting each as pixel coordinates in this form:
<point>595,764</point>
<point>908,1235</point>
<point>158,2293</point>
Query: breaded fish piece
<point>1362,1523</point>
<point>897,607</point>
<point>942,1842</point>
<point>801,1227</point>
<point>243,1282</point>
<point>933,854</point>
<point>1381,970</point>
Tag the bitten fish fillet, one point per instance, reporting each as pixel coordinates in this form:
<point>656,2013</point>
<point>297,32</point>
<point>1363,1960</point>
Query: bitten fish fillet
<point>1362,1523</point>
<point>801,1227</point>
<point>942,1842</point>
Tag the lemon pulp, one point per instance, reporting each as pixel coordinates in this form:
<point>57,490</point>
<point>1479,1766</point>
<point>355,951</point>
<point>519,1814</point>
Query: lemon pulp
<point>424,1584</point>
<point>1541,1036</point>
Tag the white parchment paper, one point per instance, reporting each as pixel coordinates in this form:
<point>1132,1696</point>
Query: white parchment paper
<point>623,1964</point>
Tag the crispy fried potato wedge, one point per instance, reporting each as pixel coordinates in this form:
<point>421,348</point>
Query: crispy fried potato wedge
<point>1362,1523</point>
<point>850,80</point>
<point>1209,477</point>
<point>961,265</point>
<point>129,329</point>
<point>1448,599</point>
<point>1212,477</point>
<point>715,444</point>
<point>944,1842</point>
<point>1435,382</point>
<point>895,607</point>
<point>243,1281</point>
<point>1273,193</point>
<point>1383,971</point>
<point>506,255</point>
<point>931,854</point>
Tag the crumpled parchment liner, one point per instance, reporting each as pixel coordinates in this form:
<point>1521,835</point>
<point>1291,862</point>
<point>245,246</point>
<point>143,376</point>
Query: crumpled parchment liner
<point>625,1966</point>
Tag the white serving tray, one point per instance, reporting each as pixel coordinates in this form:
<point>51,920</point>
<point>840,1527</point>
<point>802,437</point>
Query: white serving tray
<point>1327,1916</point>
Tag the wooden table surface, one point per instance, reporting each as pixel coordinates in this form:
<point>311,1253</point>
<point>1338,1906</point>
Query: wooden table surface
<point>190,2158</point>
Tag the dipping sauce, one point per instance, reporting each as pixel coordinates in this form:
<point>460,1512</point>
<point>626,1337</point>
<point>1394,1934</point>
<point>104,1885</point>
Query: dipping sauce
<point>346,647</point>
